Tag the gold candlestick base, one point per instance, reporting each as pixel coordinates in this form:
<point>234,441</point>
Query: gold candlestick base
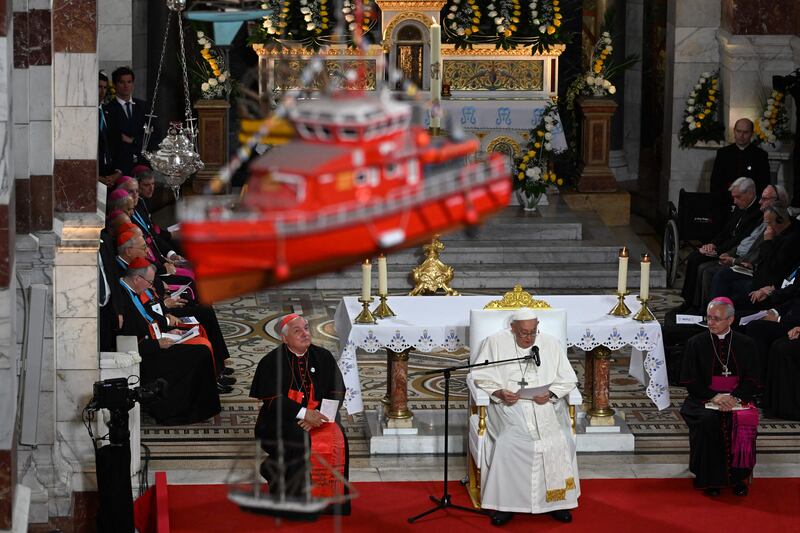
<point>620,309</point>
<point>644,314</point>
<point>365,317</point>
<point>383,310</point>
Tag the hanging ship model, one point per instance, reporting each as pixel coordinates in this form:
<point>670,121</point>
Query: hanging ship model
<point>358,178</point>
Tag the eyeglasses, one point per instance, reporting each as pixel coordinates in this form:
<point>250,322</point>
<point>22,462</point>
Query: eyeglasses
<point>710,318</point>
<point>148,281</point>
<point>528,333</point>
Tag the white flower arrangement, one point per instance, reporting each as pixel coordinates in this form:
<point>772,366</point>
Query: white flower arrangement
<point>315,15</point>
<point>596,80</point>
<point>464,17</point>
<point>534,168</point>
<point>700,121</point>
<point>275,23</point>
<point>218,83</point>
<point>772,125</point>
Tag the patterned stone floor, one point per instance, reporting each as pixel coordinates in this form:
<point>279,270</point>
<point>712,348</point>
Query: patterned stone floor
<point>248,324</point>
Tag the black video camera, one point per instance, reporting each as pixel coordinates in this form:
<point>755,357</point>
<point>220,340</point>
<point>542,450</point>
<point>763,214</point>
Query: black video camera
<point>114,394</point>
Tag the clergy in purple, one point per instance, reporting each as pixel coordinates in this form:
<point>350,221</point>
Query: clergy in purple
<point>720,372</point>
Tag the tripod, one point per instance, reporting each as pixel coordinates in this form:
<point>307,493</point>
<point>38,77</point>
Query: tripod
<point>445,502</point>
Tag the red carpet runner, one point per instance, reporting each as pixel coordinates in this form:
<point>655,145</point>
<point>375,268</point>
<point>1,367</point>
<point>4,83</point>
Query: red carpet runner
<point>613,505</point>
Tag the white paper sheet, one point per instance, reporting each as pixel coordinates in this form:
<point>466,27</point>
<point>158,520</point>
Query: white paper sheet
<point>528,393</point>
<point>329,408</point>
<point>688,319</point>
<point>749,318</point>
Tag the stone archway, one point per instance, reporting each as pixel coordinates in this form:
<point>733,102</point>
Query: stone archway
<point>407,41</point>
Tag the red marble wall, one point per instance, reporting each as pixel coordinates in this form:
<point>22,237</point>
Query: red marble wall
<point>75,26</point>
<point>7,483</point>
<point>761,17</point>
<point>5,16</point>
<point>75,185</point>
<point>7,232</point>
<point>41,203</point>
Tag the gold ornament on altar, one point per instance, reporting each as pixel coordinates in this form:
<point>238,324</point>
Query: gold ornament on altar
<point>432,275</point>
<point>517,299</point>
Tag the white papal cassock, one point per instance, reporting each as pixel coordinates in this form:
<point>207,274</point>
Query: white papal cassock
<point>528,463</point>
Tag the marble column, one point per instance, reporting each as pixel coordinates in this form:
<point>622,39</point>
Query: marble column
<point>397,412</point>
<point>588,378</point>
<point>692,27</point>
<point>601,414</point>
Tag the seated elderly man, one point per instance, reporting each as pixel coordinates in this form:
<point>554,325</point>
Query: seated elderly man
<point>528,462</point>
<point>720,372</point>
<point>782,393</point>
<point>741,223</point>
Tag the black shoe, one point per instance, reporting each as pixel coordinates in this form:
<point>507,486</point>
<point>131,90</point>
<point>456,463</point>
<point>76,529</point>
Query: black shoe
<point>713,492</point>
<point>224,389</point>
<point>227,371</point>
<point>226,380</point>
<point>563,515</point>
<point>740,489</point>
<point>501,518</point>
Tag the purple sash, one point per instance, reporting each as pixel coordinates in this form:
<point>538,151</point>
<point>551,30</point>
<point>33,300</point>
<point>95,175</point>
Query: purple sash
<point>745,425</point>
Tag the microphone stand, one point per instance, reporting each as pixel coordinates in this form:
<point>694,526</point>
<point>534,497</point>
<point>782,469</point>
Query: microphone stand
<point>445,502</point>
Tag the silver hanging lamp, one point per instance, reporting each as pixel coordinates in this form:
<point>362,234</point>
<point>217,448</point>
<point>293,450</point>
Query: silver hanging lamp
<point>176,158</point>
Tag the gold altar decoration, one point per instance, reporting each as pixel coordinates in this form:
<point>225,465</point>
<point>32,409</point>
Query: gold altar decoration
<point>432,274</point>
<point>365,316</point>
<point>431,5</point>
<point>374,50</point>
<point>644,314</point>
<point>516,299</point>
<point>501,142</point>
<point>288,72</point>
<point>620,309</point>
<point>494,75</point>
<point>491,50</point>
<point>422,18</point>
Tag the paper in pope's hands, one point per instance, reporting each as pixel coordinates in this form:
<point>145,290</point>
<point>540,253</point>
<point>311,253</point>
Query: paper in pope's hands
<point>328,409</point>
<point>529,393</point>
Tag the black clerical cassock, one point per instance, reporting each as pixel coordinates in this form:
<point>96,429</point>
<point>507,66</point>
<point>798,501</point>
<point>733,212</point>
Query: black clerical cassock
<point>287,382</point>
<point>722,446</point>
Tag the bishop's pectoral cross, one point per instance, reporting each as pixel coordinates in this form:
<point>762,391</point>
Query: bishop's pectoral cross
<point>523,382</point>
<point>725,371</point>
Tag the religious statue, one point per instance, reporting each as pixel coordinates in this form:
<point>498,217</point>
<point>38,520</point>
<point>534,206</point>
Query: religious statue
<point>432,274</point>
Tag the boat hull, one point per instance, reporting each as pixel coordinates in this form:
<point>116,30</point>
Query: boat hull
<point>237,257</point>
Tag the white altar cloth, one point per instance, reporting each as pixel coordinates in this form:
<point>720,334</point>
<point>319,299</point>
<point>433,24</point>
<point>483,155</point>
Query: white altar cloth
<point>428,323</point>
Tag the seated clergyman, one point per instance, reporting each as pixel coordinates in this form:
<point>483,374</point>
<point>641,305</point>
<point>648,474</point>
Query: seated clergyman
<point>528,464</point>
<point>720,372</point>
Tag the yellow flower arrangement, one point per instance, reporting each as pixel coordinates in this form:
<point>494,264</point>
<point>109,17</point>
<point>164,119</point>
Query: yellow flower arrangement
<point>700,115</point>
<point>772,125</point>
<point>217,81</point>
<point>534,170</point>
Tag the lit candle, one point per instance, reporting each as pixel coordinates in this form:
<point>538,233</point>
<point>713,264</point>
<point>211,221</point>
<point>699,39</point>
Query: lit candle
<point>436,73</point>
<point>644,288</point>
<point>622,276</point>
<point>383,276</point>
<point>366,280</point>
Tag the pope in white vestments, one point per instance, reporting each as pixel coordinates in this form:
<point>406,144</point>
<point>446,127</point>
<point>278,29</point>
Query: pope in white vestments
<point>528,464</point>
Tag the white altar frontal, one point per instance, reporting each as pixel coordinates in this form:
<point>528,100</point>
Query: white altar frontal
<point>427,323</point>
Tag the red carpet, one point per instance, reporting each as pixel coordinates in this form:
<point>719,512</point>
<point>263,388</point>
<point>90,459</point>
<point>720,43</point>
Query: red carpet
<point>613,505</point>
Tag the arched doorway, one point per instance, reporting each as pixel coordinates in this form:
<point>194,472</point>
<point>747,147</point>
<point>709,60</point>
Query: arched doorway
<point>411,51</point>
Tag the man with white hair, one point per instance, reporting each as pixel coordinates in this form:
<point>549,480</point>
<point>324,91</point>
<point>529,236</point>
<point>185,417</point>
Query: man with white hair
<point>528,464</point>
<point>294,381</point>
<point>720,373</point>
<point>743,220</point>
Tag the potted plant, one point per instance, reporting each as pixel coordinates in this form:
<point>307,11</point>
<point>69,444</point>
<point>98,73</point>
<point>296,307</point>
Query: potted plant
<point>535,168</point>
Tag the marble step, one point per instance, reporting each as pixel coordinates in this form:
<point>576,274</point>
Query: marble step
<point>499,276</point>
<point>504,229</point>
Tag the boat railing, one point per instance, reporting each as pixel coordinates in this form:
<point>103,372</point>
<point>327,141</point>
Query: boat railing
<point>230,208</point>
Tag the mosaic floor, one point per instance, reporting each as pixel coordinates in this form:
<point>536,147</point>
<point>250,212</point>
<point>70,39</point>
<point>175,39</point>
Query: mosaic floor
<point>248,324</point>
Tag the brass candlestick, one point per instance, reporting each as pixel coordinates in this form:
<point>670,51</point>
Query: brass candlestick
<point>620,309</point>
<point>644,314</point>
<point>383,310</point>
<point>365,317</point>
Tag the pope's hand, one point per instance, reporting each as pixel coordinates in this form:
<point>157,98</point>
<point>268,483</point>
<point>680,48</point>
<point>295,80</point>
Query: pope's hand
<point>543,399</point>
<point>506,396</point>
<point>313,419</point>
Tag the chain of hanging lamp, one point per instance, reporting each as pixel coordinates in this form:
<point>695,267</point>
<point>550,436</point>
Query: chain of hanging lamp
<point>176,158</point>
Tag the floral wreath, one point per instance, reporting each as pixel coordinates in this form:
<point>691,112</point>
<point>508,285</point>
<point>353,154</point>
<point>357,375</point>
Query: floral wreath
<point>701,115</point>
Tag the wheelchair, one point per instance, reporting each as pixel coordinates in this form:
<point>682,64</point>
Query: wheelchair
<point>696,221</point>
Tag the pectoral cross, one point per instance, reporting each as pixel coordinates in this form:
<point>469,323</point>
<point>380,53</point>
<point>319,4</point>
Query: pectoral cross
<point>523,382</point>
<point>725,371</point>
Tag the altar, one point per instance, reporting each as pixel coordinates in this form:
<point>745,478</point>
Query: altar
<point>427,323</point>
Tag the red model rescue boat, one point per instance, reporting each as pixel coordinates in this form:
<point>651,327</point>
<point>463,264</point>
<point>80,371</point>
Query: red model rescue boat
<point>360,179</point>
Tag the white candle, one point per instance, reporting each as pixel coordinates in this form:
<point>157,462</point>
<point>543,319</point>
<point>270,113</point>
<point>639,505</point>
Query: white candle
<point>644,288</point>
<point>622,276</point>
<point>366,280</point>
<point>436,73</point>
<point>383,276</point>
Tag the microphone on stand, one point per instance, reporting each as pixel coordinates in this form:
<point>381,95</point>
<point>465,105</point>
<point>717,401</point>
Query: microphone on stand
<point>535,355</point>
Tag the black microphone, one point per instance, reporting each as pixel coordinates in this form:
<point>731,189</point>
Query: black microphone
<point>535,355</point>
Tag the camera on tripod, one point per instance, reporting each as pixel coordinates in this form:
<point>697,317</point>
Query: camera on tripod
<point>119,398</point>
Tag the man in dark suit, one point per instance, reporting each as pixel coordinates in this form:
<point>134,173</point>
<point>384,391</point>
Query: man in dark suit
<point>741,223</point>
<point>126,120</point>
<point>105,166</point>
<point>742,158</point>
